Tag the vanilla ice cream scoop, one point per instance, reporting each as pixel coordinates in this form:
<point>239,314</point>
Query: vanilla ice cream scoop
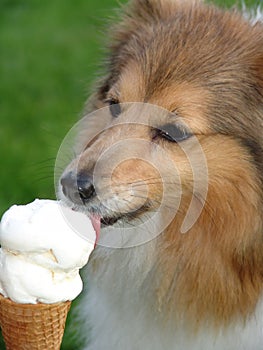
<point>43,246</point>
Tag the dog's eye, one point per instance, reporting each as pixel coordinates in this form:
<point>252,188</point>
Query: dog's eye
<point>173,133</point>
<point>115,107</point>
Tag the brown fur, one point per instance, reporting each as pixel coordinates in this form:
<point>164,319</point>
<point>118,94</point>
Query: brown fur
<point>207,66</point>
<point>218,264</point>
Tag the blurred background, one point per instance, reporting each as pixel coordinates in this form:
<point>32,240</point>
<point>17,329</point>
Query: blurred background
<point>50,52</point>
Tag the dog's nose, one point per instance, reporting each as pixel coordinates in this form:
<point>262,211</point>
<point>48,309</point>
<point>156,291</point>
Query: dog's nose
<point>78,188</point>
<point>85,187</point>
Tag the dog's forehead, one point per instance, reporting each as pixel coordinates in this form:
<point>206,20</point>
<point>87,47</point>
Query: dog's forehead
<point>187,100</point>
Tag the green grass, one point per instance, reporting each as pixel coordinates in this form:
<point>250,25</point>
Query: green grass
<point>49,54</point>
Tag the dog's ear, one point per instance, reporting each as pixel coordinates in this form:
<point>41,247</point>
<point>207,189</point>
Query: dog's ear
<point>138,13</point>
<point>259,77</point>
<point>259,67</point>
<point>145,11</point>
<point>256,58</point>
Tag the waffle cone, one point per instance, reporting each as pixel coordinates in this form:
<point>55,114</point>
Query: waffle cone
<point>32,326</point>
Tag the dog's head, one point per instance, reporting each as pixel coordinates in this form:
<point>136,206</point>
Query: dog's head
<point>180,126</point>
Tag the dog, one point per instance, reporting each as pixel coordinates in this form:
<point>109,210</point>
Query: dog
<point>169,167</point>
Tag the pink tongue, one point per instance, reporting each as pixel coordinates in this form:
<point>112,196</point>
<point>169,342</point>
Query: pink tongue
<point>95,220</point>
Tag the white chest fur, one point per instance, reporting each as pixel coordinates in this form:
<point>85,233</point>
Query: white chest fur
<point>122,318</point>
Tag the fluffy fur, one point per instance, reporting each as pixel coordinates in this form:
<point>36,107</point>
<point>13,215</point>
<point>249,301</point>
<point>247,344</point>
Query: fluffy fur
<point>203,289</point>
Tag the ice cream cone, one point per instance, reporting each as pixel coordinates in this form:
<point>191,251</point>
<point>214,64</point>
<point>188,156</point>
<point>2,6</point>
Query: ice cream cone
<point>32,326</point>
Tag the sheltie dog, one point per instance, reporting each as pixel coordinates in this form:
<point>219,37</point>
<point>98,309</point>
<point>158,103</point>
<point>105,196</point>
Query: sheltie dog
<point>169,168</point>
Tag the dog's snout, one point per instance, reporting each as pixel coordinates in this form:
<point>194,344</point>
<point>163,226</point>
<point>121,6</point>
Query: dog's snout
<point>78,188</point>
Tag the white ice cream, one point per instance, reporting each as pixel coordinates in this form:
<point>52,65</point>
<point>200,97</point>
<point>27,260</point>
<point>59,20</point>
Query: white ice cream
<point>43,246</point>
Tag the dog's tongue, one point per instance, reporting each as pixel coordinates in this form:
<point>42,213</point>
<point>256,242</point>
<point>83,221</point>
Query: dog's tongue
<point>95,220</point>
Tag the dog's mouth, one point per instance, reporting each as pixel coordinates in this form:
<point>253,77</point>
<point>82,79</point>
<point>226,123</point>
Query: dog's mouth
<point>100,222</point>
<point>110,221</point>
